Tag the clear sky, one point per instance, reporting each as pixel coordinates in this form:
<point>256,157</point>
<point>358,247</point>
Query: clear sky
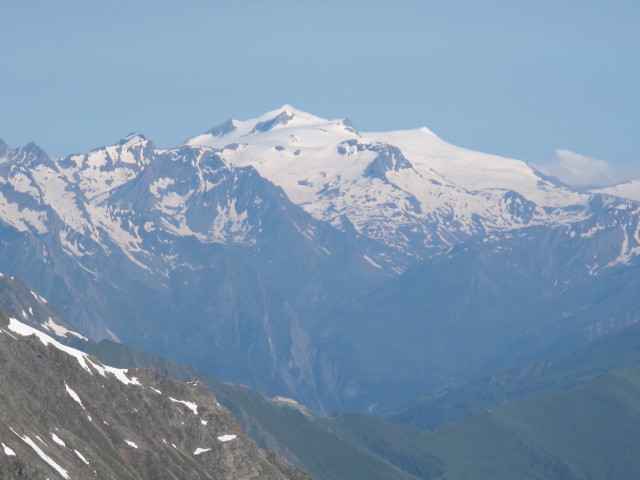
<point>517,78</point>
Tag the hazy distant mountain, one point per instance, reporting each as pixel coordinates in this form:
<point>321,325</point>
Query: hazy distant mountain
<point>537,438</point>
<point>486,305</point>
<point>287,251</point>
<point>617,349</point>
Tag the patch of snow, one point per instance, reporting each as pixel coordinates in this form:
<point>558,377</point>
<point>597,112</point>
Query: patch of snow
<point>201,450</point>
<point>628,190</point>
<point>43,455</point>
<point>192,406</point>
<point>229,224</point>
<point>368,259</point>
<point>131,444</point>
<point>71,246</point>
<point>156,390</point>
<point>226,438</point>
<point>23,184</point>
<point>101,171</point>
<point>593,231</point>
<point>74,395</point>
<point>203,422</point>
<point>627,251</point>
<point>7,451</point>
<point>81,457</point>
<point>38,297</point>
<point>12,336</point>
<point>61,331</point>
<point>58,440</point>
<point>64,201</point>
<point>82,358</point>
<point>120,374</point>
<point>128,240</point>
<point>160,184</point>
<point>113,336</point>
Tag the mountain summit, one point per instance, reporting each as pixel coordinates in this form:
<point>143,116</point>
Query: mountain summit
<point>410,190</point>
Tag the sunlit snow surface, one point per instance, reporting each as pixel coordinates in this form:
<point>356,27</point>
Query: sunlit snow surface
<point>190,405</point>
<point>8,451</point>
<point>73,395</point>
<point>628,190</point>
<point>81,457</point>
<point>226,438</point>
<point>58,440</point>
<point>82,358</point>
<point>409,190</point>
<point>43,455</point>
<point>424,184</point>
<point>61,331</point>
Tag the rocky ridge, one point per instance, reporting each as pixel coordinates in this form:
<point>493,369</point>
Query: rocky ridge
<point>63,414</point>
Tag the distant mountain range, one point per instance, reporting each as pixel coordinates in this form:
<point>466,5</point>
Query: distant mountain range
<point>297,255</point>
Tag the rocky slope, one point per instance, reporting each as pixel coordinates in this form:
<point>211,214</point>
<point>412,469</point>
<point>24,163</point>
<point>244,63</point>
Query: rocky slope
<point>65,415</point>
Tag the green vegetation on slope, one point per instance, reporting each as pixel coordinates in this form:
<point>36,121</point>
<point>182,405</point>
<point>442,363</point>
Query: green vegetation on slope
<point>587,432</point>
<point>618,349</point>
<point>307,439</point>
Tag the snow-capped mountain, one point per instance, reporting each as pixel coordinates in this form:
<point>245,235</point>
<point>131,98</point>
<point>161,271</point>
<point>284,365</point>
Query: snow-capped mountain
<point>238,250</point>
<point>187,236</point>
<point>408,189</point>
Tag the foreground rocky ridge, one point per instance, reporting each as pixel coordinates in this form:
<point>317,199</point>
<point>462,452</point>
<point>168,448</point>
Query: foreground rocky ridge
<point>64,414</point>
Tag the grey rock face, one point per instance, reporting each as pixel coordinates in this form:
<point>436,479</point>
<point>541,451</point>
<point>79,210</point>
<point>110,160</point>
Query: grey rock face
<point>64,415</point>
<point>234,256</point>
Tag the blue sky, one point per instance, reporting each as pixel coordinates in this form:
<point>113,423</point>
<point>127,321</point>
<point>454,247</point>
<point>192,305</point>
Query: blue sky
<point>516,78</point>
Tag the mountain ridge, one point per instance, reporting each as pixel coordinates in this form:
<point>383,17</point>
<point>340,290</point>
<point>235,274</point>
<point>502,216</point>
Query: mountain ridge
<point>238,250</point>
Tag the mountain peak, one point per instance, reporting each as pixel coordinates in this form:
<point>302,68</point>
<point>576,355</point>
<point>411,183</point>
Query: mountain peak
<point>132,139</point>
<point>31,155</point>
<point>287,111</point>
<point>4,148</point>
